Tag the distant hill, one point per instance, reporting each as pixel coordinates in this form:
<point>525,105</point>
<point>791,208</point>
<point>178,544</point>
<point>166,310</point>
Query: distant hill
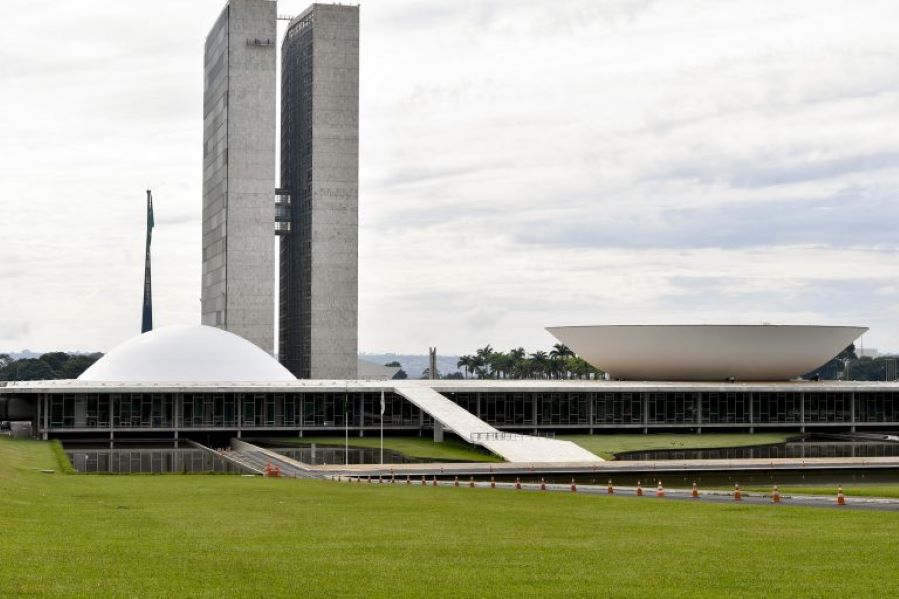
<point>22,355</point>
<point>414,364</point>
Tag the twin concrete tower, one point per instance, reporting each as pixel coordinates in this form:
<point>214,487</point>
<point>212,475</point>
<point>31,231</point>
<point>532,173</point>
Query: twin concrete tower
<point>314,210</point>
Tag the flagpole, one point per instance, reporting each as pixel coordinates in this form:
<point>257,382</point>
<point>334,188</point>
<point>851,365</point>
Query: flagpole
<point>346,427</point>
<point>382,426</point>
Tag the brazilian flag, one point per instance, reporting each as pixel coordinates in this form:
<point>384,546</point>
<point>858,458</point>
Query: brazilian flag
<point>147,320</point>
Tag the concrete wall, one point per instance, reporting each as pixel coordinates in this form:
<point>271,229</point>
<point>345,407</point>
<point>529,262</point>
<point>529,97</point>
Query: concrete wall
<point>335,192</point>
<point>239,172</point>
<point>320,166</point>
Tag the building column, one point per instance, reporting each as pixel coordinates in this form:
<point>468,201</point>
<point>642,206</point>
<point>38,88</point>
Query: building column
<point>645,397</point>
<point>239,402</point>
<point>802,412</point>
<point>852,410</point>
<point>45,434</point>
<point>478,404</point>
<point>699,413</point>
<point>303,414</point>
<point>361,414</point>
<point>534,413</point>
<point>591,400</point>
<point>751,414</point>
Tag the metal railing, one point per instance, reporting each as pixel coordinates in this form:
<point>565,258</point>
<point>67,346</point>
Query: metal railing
<point>503,436</point>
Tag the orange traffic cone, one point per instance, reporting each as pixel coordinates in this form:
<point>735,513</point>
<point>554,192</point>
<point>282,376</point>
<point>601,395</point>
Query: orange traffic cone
<point>471,482</point>
<point>542,484</point>
<point>610,489</point>
<point>456,482</point>
<point>573,486</point>
<point>841,499</point>
<point>695,492</point>
<point>492,483</point>
<point>517,484</point>
<point>639,489</point>
<point>775,495</point>
<point>660,491</point>
<point>738,494</point>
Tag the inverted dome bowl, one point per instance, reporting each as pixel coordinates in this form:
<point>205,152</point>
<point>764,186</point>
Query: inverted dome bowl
<point>707,352</point>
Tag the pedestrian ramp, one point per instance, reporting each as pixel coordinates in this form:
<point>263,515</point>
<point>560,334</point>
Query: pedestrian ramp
<point>259,459</point>
<point>511,447</point>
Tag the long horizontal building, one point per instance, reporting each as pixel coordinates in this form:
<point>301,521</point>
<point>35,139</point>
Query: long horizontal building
<point>202,382</point>
<point>79,407</point>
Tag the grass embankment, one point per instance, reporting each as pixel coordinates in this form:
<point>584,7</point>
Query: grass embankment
<point>606,446</point>
<point>417,447</point>
<point>211,536</point>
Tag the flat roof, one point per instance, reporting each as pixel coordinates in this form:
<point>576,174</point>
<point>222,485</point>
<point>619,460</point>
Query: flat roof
<point>443,385</point>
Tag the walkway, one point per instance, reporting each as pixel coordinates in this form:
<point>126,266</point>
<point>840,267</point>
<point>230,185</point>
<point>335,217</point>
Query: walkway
<point>509,446</point>
<point>615,467</point>
<point>882,504</point>
<point>258,458</point>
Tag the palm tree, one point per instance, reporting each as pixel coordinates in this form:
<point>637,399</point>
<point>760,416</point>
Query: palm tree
<point>477,366</point>
<point>465,362</point>
<point>558,356</point>
<point>484,354</point>
<point>518,363</point>
<point>502,364</point>
<point>539,363</point>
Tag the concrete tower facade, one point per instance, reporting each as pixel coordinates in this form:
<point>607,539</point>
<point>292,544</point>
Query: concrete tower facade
<point>239,171</point>
<point>320,172</point>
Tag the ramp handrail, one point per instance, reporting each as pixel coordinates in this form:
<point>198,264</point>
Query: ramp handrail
<point>504,436</point>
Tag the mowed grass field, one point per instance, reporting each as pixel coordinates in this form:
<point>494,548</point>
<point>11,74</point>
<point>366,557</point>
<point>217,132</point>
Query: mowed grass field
<point>218,536</point>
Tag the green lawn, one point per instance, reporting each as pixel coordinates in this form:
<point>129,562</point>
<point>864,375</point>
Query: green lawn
<point>419,447</point>
<point>605,446</point>
<point>218,536</point>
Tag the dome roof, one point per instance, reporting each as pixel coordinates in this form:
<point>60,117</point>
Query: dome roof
<point>186,353</point>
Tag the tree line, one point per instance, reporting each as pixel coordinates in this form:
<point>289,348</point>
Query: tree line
<point>848,366</point>
<point>558,363</point>
<point>52,365</point>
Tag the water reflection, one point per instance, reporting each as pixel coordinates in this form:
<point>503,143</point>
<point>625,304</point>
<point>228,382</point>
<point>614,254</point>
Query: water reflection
<point>792,449</point>
<point>148,460</point>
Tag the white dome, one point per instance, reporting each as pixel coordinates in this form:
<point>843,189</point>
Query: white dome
<point>186,353</point>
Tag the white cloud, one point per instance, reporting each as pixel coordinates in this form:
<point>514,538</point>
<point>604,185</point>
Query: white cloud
<point>523,164</point>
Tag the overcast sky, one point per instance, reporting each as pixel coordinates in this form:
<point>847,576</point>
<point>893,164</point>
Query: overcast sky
<point>523,164</point>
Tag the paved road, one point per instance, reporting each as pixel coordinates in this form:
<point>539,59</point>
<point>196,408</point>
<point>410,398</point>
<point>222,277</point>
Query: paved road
<point>614,467</point>
<point>852,503</point>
